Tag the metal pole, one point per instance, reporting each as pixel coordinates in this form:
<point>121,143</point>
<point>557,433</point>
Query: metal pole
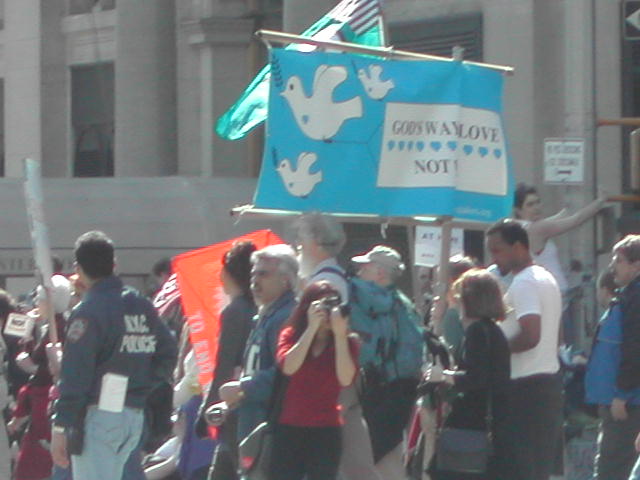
<point>269,36</point>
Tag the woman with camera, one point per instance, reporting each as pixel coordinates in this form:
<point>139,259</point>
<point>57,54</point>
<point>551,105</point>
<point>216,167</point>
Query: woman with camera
<point>479,384</point>
<point>318,357</point>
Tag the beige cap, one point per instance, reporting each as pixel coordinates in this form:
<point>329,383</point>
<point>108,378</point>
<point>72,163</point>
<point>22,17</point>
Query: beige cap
<point>381,255</point>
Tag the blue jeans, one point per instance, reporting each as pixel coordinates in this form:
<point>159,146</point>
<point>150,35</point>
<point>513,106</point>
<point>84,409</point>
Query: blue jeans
<point>59,473</point>
<point>108,442</point>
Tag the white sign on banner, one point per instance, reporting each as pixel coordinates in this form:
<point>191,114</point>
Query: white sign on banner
<point>429,241</point>
<point>563,160</point>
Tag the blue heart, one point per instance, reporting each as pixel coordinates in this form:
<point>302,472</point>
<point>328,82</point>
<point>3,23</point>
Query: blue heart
<point>452,145</point>
<point>420,146</point>
<point>305,119</point>
<point>391,145</point>
<point>483,151</point>
<point>497,152</point>
<point>401,145</point>
<point>436,146</point>
<point>467,149</point>
<point>410,145</point>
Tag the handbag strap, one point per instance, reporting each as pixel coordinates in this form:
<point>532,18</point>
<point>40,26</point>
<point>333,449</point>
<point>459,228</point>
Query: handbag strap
<point>280,382</point>
<point>489,414</point>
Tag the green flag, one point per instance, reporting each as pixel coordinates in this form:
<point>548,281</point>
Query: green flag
<point>354,21</point>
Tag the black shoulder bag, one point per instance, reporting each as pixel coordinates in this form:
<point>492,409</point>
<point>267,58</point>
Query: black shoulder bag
<point>464,450</point>
<point>255,450</point>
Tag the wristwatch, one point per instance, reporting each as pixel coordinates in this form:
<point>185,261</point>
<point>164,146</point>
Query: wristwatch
<point>58,429</point>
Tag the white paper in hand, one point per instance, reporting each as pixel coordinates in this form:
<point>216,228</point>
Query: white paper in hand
<point>18,325</point>
<point>113,392</point>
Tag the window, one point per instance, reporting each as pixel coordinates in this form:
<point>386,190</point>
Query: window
<point>439,36</point>
<point>77,7</point>
<point>92,120</point>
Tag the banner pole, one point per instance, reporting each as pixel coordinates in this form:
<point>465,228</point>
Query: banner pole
<point>39,236</point>
<point>269,36</point>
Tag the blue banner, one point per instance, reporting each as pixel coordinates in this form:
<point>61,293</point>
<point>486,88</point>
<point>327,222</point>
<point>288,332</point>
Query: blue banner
<point>363,135</point>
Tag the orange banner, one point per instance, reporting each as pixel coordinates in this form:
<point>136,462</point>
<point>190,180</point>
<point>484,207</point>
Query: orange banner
<point>203,298</point>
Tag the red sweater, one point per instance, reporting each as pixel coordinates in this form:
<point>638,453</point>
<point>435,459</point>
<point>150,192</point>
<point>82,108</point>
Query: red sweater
<point>311,399</point>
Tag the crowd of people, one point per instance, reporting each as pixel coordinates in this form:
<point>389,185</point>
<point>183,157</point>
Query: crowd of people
<point>339,371</point>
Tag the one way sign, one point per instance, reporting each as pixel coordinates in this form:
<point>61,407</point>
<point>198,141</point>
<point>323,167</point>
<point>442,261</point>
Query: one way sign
<point>631,19</point>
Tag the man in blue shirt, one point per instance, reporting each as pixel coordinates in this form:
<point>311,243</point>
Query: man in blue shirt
<point>116,351</point>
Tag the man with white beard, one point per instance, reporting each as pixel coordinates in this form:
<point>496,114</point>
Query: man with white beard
<point>319,240</point>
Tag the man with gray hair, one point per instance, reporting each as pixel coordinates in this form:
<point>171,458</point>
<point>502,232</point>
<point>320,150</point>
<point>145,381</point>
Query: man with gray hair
<point>391,354</point>
<point>319,240</point>
<point>274,276</point>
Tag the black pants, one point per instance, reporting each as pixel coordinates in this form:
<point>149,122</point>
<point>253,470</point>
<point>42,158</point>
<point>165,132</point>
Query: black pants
<point>616,453</point>
<point>311,452</point>
<point>533,427</point>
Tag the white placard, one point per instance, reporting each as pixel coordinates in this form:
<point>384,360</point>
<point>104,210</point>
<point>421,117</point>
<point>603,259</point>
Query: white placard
<point>429,242</point>
<point>564,160</point>
<point>113,392</point>
<point>37,225</point>
<point>18,325</point>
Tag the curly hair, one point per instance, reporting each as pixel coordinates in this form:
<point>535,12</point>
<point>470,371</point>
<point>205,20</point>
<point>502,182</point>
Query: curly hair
<point>237,263</point>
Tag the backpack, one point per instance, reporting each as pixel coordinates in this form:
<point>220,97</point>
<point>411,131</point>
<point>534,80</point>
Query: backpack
<point>393,345</point>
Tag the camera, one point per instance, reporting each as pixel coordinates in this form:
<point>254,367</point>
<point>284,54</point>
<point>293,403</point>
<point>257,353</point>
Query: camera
<point>216,414</point>
<point>331,301</point>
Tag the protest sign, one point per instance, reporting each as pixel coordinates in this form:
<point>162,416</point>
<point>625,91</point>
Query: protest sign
<point>359,134</point>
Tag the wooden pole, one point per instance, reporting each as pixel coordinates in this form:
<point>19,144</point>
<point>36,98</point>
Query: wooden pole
<point>618,122</point>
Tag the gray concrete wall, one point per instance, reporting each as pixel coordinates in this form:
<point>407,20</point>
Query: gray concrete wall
<point>148,218</point>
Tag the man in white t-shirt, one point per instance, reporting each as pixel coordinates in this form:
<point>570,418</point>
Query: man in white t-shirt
<point>532,328</point>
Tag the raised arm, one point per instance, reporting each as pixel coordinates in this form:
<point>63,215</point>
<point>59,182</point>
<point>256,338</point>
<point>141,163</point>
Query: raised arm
<point>561,223</point>
<point>293,358</point>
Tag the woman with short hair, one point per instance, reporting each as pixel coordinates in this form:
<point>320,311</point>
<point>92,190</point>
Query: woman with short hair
<point>482,378</point>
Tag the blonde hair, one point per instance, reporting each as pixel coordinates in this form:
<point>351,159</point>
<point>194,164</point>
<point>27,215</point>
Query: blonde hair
<point>480,295</point>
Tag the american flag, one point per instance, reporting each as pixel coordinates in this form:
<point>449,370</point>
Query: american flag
<point>361,15</point>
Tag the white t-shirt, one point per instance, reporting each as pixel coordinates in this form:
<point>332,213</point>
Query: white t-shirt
<point>534,291</point>
<point>549,259</point>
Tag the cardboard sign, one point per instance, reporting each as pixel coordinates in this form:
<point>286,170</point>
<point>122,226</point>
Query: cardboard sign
<point>19,325</point>
<point>428,243</point>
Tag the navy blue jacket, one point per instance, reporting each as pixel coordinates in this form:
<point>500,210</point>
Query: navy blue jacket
<point>114,329</point>
<point>629,371</point>
<point>259,369</point>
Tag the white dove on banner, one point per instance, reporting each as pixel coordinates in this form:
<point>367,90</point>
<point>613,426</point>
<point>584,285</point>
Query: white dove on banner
<point>300,182</point>
<point>317,115</point>
<point>373,85</point>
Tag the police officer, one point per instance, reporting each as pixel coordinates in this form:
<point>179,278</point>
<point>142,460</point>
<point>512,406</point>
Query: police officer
<point>116,351</point>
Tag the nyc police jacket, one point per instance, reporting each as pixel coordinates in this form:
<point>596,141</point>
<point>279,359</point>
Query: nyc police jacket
<point>113,330</point>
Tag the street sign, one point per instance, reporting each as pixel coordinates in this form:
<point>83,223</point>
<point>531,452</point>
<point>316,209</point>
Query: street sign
<point>563,160</point>
<point>631,19</point>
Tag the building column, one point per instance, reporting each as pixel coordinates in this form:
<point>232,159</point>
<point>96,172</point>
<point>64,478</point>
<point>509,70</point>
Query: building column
<point>22,87</point>
<point>145,79</point>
